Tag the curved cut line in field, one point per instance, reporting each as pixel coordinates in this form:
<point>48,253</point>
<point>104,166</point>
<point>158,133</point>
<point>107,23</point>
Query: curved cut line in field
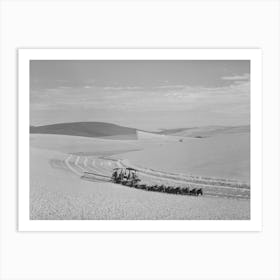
<point>202,181</point>
<point>193,183</point>
<point>102,168</point>
<point>70,165</point>
<point>206,188</point>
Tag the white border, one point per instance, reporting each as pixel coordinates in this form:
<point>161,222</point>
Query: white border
<point>254,55</point>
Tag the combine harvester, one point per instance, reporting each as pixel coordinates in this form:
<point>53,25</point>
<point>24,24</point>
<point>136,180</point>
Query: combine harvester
<point>128,177</point>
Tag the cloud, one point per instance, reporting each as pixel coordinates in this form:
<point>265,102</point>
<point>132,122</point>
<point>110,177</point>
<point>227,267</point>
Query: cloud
<point>171,87</point>
<point>122,88</point>
<point>244,77</point>
<point>193,104</point>
<point>64,87</point>
<point>176,96</point>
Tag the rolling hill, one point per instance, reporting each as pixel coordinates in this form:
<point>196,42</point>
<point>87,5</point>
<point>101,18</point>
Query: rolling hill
<point>206,131</point>
<point>117,132</point>
<point>87,129</point>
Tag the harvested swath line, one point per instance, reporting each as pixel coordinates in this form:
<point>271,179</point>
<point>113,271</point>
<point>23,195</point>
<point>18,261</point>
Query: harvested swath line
<point>107,164</point>
<point>93,179</point>
<point>69,165</point>
<point>75,166</point>
<point>95,176</point>
<point>93,169</point>
<point>85,161</point>
<point>77,163</point>
<point>227,196</point>
<point>89,168</point>
<point>192,183</point>
<point>149,187</point>
<point>84,166</point>
<point>120,164</point>
<point>211,190</point>
<point>202,183</point>
<point>58,163</point>
<point>144,169</point>
<point>230,191</point>
<point>226,192</point>
<point>159,173</point>
<point>96,167</point>
<point>98,178</point>
<point>232,194</point>
<point>190,178</point>
<point>207,190</point>
<point>115,164</point>
<point>100,165</point>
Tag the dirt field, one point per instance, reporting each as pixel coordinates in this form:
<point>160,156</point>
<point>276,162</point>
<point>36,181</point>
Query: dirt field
<point>58,190</point>
<point>223,156</point>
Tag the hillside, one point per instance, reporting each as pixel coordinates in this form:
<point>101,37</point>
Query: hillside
<point>206,131</point>
<point>87,129</point>
<point>117,132</point>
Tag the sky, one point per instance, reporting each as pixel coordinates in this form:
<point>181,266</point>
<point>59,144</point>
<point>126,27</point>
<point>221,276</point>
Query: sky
<point>148,95</point>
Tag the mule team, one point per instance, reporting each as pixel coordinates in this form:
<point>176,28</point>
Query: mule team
<point>170,189</point>
<point>128,177</point>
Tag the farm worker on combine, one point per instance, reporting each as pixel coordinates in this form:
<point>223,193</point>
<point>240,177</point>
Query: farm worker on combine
<point>121,175</point>
<point>115,174</point>
<point>128,175</point>
<point>125,175</point>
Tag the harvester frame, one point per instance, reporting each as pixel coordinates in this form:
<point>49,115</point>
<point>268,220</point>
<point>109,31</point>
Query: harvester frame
<point>126,176</point>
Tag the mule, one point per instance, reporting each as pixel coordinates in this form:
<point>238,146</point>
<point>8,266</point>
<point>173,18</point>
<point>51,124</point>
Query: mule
<point>193,191</point>
<point>199,192</point>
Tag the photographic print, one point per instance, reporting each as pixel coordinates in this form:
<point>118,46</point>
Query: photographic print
<point>139,139</point>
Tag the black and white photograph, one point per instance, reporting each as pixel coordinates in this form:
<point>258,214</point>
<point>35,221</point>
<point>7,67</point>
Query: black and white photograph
<point>139,139</point>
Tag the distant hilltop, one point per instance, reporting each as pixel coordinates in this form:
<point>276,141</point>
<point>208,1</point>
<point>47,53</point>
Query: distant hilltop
<point>206,131</point>
<point>117,132</point>
<point>87,129</point>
